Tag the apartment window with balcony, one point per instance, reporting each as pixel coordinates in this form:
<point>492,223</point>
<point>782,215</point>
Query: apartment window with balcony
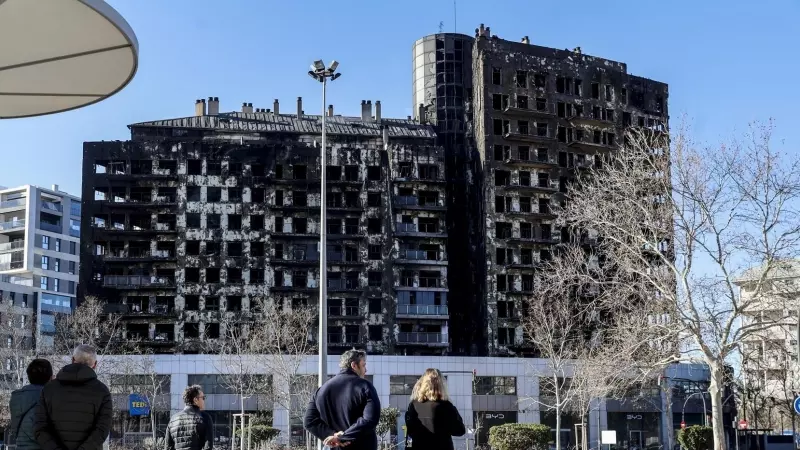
<point>502,177</point>
<point>504,256</point>
<point>278,224</point>
<point>526,256</point>
<point>43,283</point>
<point>57,265</point>
<point>192,220</point>
<point>504,282</point>
<point>277,276</point>
<point>373,225</point>
<point>300,278</point>
<point>374,173</point>
<point>526,231</point>
<point>212,275</point>
<point>351,225</point>
<point>234,222</point>
<point>505,336</point>
<point>45,262</point>
<point>71,270</point>
<point>505,310</point>
<point>58,245</point>
<point>503,230</point>
<point>374,252</point>
<point>524,178</point>
<point>525,204</point>
<point>375,333</point>
<point>234,195</point>
<point>373,199</point>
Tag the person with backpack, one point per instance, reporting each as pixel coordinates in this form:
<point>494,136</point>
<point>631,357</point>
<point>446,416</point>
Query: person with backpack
<point>23,404</point>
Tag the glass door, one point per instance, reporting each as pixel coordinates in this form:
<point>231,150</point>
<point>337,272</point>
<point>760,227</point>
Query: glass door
<point>635,442</point>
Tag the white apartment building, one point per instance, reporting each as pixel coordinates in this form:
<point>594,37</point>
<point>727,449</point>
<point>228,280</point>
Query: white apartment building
<point>39,248</point>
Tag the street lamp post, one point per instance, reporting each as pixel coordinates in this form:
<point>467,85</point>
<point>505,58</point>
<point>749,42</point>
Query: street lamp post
<point>321,73</point>
<point>705,414</point>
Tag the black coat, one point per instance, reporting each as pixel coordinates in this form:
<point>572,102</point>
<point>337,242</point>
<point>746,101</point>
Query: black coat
<point>346,403</point>
<point>74,411</point>
<point>190,429</point>
<point>430,425</point>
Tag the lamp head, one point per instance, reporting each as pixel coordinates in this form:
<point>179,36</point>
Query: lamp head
<point>318,65</point>
<point>334,64</point>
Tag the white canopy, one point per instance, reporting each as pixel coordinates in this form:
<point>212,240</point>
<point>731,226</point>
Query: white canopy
<point>57,55</point>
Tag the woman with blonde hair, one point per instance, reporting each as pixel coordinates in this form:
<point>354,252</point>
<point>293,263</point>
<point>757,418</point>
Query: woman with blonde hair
<point>431,419</point>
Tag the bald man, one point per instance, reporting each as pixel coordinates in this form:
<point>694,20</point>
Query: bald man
<point>74,410</point>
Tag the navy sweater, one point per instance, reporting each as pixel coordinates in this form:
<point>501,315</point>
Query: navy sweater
<point>346,403</point>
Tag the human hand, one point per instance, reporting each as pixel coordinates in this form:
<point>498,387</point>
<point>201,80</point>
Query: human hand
<point>333,441</point>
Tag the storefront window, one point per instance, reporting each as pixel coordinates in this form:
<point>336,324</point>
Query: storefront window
<point>636,430</point>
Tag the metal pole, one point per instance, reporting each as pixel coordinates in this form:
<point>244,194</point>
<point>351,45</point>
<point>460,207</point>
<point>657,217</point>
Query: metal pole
<point>323,250</point>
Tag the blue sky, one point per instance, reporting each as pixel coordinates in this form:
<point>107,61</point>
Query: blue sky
<point>727,62</point>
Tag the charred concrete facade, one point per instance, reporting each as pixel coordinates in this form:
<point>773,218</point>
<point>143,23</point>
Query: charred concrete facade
<point>543,115</point>
<point>515,135</point>
<point>194,219</point>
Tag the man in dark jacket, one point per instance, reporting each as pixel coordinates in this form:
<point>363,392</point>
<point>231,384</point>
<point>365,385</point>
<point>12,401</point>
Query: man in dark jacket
<point>74,410</point>
<point>23,404</point>
<point>191,429</point>
<point>346,409</point>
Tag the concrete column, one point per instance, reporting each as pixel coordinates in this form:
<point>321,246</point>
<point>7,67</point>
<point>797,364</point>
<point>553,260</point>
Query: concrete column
<point>280,413</point>
<point>177,383</point>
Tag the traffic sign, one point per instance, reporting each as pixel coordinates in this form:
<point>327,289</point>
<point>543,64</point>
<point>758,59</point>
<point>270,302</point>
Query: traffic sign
<point>742,424</point>
<point>797,405</point>
<point>683,424</point>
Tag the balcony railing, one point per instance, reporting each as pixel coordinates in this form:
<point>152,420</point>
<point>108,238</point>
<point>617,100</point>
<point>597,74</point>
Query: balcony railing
<point>10,225</point>
<point>13,265</point>
<point>55,228</point>
<point>422,338</point>
<point>421,255</point>
<point>406,200</point>
<point>407,227</point>
<point>137,280</point>
<point>422,310</point>
<point>12,246</point>
<point>50,206</point>
<point>14,279</point>
<point>13,203</point>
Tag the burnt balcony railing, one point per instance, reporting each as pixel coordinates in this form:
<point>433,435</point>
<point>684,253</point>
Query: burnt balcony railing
<point>422,310</point>
<point>422,338</point>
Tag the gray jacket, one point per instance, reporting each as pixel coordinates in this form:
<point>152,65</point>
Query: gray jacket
<point>23,414</point>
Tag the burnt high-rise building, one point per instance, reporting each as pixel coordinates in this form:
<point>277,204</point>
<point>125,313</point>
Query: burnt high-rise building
<point>436,227</point>
<point>194,219</point>
<point>517,122</point>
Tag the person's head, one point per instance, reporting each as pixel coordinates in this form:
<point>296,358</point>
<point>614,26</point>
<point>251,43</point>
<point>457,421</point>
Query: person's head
<point>39,372</point>
<point>85,354</point>
<point>194,396</point>
<point>430,387</point>
<point>356,360</point>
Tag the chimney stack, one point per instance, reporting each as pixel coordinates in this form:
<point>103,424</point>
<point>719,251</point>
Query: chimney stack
<point>200,107</point>
<point>421,113</point>
<point>267,110</point>
<point>330,110</point>
<point>299,107</point>
<point>55,187</point>
<point>213,106</point>
<point>378,111</point>
<point>363,110</point>
<point>275,106</point>
<point>247,107</point>
<point>526,40</point>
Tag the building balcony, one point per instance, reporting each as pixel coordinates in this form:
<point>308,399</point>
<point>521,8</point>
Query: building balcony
<point>526,137</point>
<point>590,147</point>
<point>137,281</point>
<point>17,203</point>
<point>140,255</point>
<point>432,283</point>
<point>408,256</point>
<point>342,340</point>
<point>547,112</point>
<point>138,310</point>
<point>13,279</point>
<point>52,207</point>
<point>343,285</point>
<point>341,259</point>
<point>516,161</point>
<point>549,240</point>
<point>414,203</point>
<point>13,265</point>
<point>302,234</point>
<point>412,229</point>
<point>12,225</point>
<point>417,179</point>
<point>422,311</point>
<point>53,227</point>
<point>551,186</point>
<point>592,121</point>
<point>12,246</point>
<point>422,338</point>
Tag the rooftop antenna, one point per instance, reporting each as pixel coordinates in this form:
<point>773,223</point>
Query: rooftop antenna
<point>441,26</point>
<point>455,17</point>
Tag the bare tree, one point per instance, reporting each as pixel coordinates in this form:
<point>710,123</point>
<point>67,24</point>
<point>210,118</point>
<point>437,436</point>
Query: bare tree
<point>286,339</point>
<point>680,227</point>
<point>237,364</point>
<point>16,351</point>
<point>563,322</point>
<point>90,323</point>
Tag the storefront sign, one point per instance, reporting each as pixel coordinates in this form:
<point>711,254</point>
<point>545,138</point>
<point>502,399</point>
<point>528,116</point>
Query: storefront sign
<point>634,417</point>
<point>138,406</point>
